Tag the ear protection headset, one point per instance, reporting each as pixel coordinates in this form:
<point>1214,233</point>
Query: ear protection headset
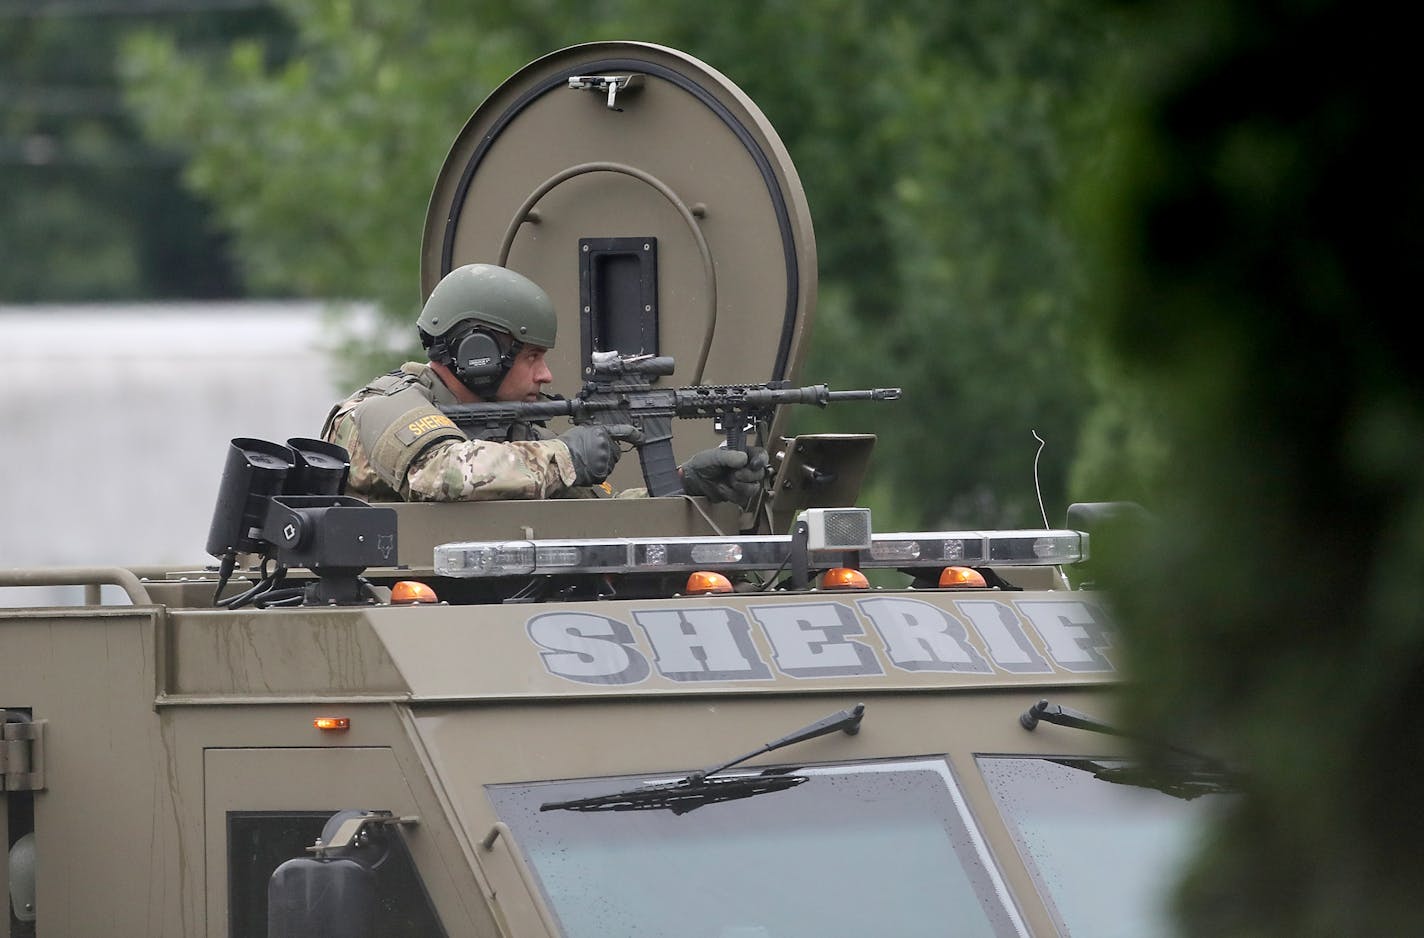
<point>477,357</point>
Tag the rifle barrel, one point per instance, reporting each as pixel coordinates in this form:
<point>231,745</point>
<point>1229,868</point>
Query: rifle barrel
<point>874,394</point>
<point>817,394</point>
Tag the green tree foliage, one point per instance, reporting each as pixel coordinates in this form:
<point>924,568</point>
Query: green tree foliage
<point>933,143</point>
<point>321,162</point>
<point>1262,235</point>
<point>88,209</point>
<point>930,139</point>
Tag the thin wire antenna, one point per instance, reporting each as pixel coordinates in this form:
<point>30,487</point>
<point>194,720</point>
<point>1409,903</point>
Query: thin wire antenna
<point>1038,490</point>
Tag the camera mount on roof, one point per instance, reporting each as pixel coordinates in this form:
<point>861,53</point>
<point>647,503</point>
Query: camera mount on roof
<point>285,503</point>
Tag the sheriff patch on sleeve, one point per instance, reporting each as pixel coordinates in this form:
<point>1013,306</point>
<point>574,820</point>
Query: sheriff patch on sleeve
<point>418,428</point>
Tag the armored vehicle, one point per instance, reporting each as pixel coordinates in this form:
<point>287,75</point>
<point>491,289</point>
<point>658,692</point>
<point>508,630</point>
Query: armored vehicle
<point>609,716</point>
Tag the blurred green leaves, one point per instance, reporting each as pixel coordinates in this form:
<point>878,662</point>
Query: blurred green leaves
<point>88,209</point>
<point>1258,234</point>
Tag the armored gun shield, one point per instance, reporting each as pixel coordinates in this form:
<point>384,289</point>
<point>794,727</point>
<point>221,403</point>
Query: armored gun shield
<point>655,204</point>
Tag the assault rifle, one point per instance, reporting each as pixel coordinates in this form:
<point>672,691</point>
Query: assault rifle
<point>619,391</point>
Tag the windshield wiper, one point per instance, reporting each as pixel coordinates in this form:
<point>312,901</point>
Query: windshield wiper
<point>699,788</point>
<point>1193,775</point>
<point>1181,781</point>
<point>685,795</point>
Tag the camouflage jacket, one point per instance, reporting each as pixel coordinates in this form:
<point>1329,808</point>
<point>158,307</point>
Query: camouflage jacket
<point>403,448</point>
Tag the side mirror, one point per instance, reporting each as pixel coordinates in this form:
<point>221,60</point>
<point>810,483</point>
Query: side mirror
<point>1114,529</point>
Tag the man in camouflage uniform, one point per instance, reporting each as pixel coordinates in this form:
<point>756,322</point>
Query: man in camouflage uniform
<point>486,330</point>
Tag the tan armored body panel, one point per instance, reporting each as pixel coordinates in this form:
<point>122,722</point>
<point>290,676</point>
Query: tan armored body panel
<point>655,204</point>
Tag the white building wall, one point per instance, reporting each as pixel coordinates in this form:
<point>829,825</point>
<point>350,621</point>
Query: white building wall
<point>115,421</point>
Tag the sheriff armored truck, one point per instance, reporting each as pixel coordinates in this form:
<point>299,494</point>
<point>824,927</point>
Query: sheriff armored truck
<point>598,717</point>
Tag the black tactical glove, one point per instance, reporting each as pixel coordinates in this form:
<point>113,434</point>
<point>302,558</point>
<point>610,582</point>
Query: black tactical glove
<point>725,475</point>
<point>594,449</point>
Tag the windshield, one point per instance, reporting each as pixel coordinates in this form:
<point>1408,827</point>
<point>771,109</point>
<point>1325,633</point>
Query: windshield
<point>857,849</point>
<point>1103,854</point>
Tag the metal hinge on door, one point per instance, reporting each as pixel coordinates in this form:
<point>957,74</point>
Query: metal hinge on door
<point>21,754</point>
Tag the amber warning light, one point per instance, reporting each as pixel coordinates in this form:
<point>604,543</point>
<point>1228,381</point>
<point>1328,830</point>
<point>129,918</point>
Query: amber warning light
<point>844,578</point>
<point>961,578</point>
<point>332,723</point>
<point>705,581</point>
<point>412,592</point>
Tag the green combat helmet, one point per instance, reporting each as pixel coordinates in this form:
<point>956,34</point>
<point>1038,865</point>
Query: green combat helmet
<point>493,296</point>
<point>479,316</point>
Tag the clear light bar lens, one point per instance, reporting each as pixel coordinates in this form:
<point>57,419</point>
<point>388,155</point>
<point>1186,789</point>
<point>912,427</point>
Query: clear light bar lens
<point>513,558</point>
<point>939,547</point>
<point>559,556</point>
<point>686,554</point>
<point>895,550</point>
<point>1036,547</point>
<point>717,554</point>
